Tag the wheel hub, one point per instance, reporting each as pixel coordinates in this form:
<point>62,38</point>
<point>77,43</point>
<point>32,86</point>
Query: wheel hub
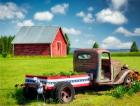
<point>66,95</point>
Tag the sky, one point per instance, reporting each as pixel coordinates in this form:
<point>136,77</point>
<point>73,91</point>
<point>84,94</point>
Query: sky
<point>113,24</point>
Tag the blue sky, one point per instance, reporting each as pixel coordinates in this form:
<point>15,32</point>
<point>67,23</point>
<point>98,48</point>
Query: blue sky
<point>114,24</point>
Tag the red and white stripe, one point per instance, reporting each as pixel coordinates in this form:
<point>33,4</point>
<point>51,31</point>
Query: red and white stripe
<point>76,80</point>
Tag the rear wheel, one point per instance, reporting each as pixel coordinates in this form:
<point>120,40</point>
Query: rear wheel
<point>64,92</point>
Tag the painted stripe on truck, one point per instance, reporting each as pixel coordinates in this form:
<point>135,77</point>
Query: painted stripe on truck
<point>76,82</point>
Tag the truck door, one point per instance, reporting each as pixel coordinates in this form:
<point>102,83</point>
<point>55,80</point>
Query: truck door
<point>105,70</point>
<point>85,61</point>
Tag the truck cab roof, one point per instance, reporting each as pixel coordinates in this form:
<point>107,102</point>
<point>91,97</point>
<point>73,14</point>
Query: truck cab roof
<point>97,50</point>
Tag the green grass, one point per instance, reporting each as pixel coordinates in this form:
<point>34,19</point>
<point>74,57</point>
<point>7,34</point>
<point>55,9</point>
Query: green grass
<point>125,54</point>
<point>13,70</point>
<point>133,62</point>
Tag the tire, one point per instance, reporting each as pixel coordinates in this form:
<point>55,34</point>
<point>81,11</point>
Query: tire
<point>29,93</point>
<point>128,81</point>
<point>64,92</point>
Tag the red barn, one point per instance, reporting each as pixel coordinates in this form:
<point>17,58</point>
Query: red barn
<point>40,40</point>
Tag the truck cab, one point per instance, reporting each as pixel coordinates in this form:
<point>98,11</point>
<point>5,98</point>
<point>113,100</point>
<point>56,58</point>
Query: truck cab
<point>99,63</point>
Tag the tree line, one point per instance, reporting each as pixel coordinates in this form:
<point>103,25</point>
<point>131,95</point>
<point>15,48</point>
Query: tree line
<point>133,48</point>
<point>5,45</point>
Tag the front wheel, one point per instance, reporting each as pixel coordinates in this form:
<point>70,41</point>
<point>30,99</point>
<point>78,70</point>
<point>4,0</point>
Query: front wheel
<point>128,81</point>
<point>64,92</point>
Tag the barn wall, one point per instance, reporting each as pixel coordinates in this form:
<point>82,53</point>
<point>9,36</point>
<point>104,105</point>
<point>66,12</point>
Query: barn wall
<point>59,38</point>
<point>31,49</point>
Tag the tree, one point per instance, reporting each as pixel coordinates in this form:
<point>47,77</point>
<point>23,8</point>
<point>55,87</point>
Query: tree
<point>95,45</point>
<point>134,47</point>
<point>68,42</point>
<point>5,45</point>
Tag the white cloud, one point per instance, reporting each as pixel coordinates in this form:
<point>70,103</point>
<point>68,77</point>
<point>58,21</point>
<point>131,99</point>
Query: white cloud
<point>126,32</point>
<point>117,4</point>
<point>25,23</point>
<point>43,16</point>
<point>87,18</point>
<point>90,8</point>
<point>90,42</point>
<point>112,42</point>
<point>10,10</point>
<point>137,31</point>
<point>60,8</point>
<point>71,31</point>
<point>111,16</point>
<point>48,15</point>
<point>80,14</point>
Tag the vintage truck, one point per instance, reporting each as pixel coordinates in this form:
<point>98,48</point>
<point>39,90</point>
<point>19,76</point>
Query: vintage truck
<point>98,68</point>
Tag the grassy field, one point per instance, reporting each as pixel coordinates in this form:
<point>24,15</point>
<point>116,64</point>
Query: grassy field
<point>13,70</point>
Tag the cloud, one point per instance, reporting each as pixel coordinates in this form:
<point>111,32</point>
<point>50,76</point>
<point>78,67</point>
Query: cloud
<point>112,42</point>
<point>117,4</point>
<point>113,13</point>
<point>48,15</point>
<point>87,18</point>
<point>90,42</point>
<point>10,10</point>
<point>126,32</point>
<point>25,23</point>
<point>43,16</point>
<point>80,14</point>
<point>60,8</point>
<point>71,31</point>
<point>90,8</point>
<point>137,31</point>
<point>111,16</point>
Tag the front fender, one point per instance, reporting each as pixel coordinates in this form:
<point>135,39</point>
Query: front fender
<point>121,76</point>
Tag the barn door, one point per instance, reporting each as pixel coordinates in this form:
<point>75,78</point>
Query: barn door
<point>59,48</point>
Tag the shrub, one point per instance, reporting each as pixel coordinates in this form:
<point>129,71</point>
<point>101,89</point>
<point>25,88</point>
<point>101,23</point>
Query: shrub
<point>17,94</point>
<point>119,92</point>
<point>4,54</point>
<point>68,73</point>
<point>134,88</point>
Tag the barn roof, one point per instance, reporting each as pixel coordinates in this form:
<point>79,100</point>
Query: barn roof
<point>36,34</point>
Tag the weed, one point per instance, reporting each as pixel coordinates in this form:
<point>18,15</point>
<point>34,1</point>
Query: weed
<point>134,88</point>
<point>120,91</point>
<point>67,73</point>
